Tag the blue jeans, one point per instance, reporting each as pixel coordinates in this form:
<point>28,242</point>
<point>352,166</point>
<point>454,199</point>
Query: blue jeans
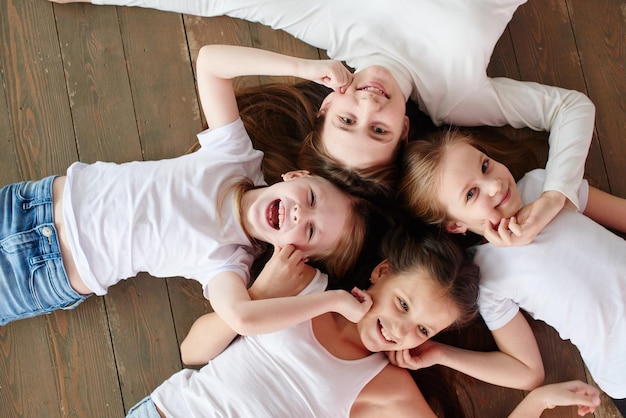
<point>144,409</point>
<point>33,280</point>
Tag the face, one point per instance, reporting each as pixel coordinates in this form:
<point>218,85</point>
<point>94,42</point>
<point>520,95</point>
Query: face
<point>364,125</point>
<point>407,309</point>
<point>476,189</point>
<point>305,211</point>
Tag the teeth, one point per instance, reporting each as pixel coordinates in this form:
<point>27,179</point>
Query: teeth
<point>385,334</point>
<point>281,214</point>
<point>374,89</point>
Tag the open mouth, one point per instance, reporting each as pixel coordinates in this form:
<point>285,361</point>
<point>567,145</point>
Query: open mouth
<point>383,332</point>
<point>374,88</point>
<point>275,214</point>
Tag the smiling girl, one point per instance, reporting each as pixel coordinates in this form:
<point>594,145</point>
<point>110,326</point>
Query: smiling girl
<point>329,366</point>
<point>201,216</point>
<point>572,276</point>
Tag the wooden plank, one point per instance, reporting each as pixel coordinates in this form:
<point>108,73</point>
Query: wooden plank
<point>97,83</point>
<point>48,361</point>
<point>146,348</point>
<point>162,81</point>
<point>546,51</point>
<point>600,30</point>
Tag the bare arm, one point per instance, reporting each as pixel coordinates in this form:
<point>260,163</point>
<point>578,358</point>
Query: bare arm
<point>517,365</point>
<point>218,64</point>
<point>585,396</point>
<point>231,301</point>
<point>606,209</point>
<point>285,274</point>
<point>392,393</point>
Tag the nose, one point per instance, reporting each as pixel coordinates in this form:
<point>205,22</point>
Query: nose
<point>494,187</point>
<point>298,214</point>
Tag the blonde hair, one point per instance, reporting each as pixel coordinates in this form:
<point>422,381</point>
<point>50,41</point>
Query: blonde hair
<point>420,174</point>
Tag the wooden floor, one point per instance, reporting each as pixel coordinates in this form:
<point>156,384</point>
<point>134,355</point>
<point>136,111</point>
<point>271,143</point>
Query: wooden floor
<point>89,83</point>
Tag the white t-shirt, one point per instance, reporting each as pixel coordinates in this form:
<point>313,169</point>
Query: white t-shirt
<point>573,277</point>
<point>283,374</point>
<point>438,51</point>
<point>161,217</point>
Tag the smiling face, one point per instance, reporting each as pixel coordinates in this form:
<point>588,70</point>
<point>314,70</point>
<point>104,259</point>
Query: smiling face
<point>303,210</point>
<point>364,125</point>
<point>407,309</point>
<point>475,189</point>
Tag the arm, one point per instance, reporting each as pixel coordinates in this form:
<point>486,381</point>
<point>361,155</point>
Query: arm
<point>285,274</point>
<point>568,115</point>
<point>233,304</point>
<point>218,64</point>
<point>585,396</point>
<point>392,393</point>
<point>606,209</point>
<point>517,365</point>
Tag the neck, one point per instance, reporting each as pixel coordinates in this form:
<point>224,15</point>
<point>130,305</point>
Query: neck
<point>339,336</point>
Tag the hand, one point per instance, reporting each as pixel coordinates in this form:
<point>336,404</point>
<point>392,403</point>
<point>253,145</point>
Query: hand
<point>353,306</point>
<point>529,221</point>
<point>575,392</point>
<point>420,357</point>
<point>329,73</point>
<point>283,275</point>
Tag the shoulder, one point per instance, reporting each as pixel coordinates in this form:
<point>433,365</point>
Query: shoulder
<point>391,392</point>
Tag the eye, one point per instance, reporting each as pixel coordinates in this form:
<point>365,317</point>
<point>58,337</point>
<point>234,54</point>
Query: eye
<point>312,198</point>
<point>311,231</point>
<point>470,194</point>
<point>379,130</point>
<point>346,120</point>
<point>403,305</point>
<point>421,329</point>
<point>485,166</point>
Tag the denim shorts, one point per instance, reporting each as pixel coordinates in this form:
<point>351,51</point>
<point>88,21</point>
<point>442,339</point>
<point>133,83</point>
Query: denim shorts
<point>144,409</point>
<point>33,280</point>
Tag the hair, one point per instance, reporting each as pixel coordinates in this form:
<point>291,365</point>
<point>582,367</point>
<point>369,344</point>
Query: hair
<point>412,245</point>
<point>420,167</point>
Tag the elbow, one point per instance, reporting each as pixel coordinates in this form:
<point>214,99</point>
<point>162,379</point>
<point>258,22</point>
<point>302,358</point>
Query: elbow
<point>191,357</point>
<point>244,324</point>
<point>534,379</point>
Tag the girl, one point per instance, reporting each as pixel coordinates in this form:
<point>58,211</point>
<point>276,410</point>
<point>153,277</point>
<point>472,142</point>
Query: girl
<point>575,266</point>
<point>325,366</point>
<point>401,52</point>
<point>200,215</point>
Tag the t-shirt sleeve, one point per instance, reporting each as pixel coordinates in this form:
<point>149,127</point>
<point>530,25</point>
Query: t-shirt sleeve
<point>496,310</point>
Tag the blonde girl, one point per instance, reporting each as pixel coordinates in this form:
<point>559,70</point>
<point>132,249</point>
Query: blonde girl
<point>572,276</point>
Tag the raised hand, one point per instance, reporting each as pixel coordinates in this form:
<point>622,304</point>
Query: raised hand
<point>283,275</point>
<point>530,220</point>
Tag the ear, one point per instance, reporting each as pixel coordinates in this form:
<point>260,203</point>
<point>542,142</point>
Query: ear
<point>456,227</point>
<point>326,103</point>
<point>290,175</point>
<point>405,130</point>
<point>380,271</point>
